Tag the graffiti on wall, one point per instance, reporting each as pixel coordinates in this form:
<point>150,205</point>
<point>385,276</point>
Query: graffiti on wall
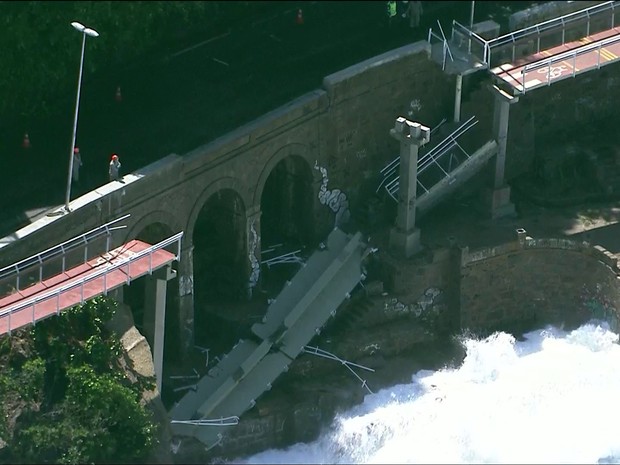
<point>414,107</point>
<point>335,199</point>
<point>430,304</point>
<point>254,264</point>
<point>186,281</point>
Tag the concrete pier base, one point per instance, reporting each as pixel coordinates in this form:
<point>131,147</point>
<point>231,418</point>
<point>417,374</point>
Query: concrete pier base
<point>500,204</point>
<point>409,242</point>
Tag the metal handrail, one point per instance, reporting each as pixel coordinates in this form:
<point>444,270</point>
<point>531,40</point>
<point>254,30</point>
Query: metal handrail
<point>537,29</point>
<point>61,248</point>
<point>472,35</point>
<point>564,56</point>
<point>445,144</point>
<point>571,53</point>
<point>445,48</point>
<point>101,272</point>
<point>552,23</point>
<point>434,155</point>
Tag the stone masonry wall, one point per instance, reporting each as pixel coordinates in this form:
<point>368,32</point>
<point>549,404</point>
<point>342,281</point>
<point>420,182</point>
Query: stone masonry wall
<point>536,282</point>
<point>364,101</point>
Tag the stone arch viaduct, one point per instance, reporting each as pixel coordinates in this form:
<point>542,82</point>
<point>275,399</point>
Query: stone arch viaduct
<point>333,140</point>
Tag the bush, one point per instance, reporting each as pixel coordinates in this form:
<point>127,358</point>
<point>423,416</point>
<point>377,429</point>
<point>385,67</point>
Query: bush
<point>71,400</point>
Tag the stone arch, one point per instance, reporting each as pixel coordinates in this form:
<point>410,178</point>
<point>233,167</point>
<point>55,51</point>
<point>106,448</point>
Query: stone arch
<point>293,149</point>
<point>158,216</point>
<point>285,198</point>
<point>221,265</point>
<point>217,185</point>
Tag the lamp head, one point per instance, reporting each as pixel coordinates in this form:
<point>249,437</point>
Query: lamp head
<point>85,30</point>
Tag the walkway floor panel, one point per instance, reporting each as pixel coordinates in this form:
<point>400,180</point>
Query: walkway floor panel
<point>206,387</point>
<point>298,288</point>
<point>459,176</point>
<point>302,308</point>
<point>67,298</point>
<point>513,73</point>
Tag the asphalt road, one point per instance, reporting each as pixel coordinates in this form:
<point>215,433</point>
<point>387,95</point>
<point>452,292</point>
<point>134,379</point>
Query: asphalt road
<point>177,100</point>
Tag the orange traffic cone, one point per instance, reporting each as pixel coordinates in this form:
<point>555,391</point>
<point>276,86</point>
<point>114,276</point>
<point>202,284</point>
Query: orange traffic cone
<point>26,142</point>
<point>118,97</point>
<point>300,17</point>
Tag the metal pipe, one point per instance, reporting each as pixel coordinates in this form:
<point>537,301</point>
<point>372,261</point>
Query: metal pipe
<point>471,25</point>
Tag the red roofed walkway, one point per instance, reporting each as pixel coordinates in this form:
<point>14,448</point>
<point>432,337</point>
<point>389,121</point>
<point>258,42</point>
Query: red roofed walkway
<point>86,281</point>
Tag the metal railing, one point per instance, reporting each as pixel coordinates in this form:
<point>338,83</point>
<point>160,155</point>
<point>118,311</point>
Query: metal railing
<point>431,158</point>
<point>475,42</point>
<point>566,56</point>
<point>527,33</point>
<point>446,53</point>
<point>102,272</point>
<point>60,250</point>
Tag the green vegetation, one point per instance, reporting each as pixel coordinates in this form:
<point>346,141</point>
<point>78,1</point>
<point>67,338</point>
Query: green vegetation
<point>69,395</point>
<point>40,50</point>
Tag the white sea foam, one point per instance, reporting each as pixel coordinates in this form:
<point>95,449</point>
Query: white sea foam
<point>552,398</point>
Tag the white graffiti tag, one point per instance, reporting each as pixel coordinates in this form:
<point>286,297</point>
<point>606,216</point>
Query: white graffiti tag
<point>255,274</point>
<point>414,107</point>
<point>335,199</point>
<point>553,71</point>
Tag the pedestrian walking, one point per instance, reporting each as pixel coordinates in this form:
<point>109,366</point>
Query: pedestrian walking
<point>77,163</point>
<point>414,11</point>
<point>115,167</point>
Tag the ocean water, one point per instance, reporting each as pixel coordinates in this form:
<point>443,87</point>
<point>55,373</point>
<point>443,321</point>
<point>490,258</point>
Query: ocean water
<point>551,398</point>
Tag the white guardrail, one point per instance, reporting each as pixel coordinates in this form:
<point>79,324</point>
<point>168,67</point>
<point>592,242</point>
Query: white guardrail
<point>511,38</point>
<point>566,56</point>
<point>39,259</point>
<point>55,293</point>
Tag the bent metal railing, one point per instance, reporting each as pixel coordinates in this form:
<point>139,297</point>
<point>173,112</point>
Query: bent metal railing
<point>104,271</point>
<point>536,30</point>
<point>567,56</point>
<point>61,249</point>
<point>432,158</point>
<point>445,50</point>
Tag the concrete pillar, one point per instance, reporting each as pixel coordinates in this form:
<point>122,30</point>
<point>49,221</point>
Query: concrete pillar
<point>155,316</point>
<point>253,234</point>
<point>500,196</point>
<point>405,237</point>
<point>457,98</point>
<point>186,298</point>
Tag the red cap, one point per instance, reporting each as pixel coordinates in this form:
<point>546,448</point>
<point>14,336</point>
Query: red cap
<point>76,150</point>
<point>114,156</point>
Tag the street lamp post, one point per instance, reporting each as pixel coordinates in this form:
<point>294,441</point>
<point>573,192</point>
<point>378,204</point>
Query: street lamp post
<point>85,32</point>
<point>471,24</point>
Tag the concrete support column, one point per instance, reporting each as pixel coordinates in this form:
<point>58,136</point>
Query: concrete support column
<point>405,237</point>
<point>155,316</point>
<point>457,98</point>
<point>253,234</point>
<point>186,298</point>
<point>500,196</point>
